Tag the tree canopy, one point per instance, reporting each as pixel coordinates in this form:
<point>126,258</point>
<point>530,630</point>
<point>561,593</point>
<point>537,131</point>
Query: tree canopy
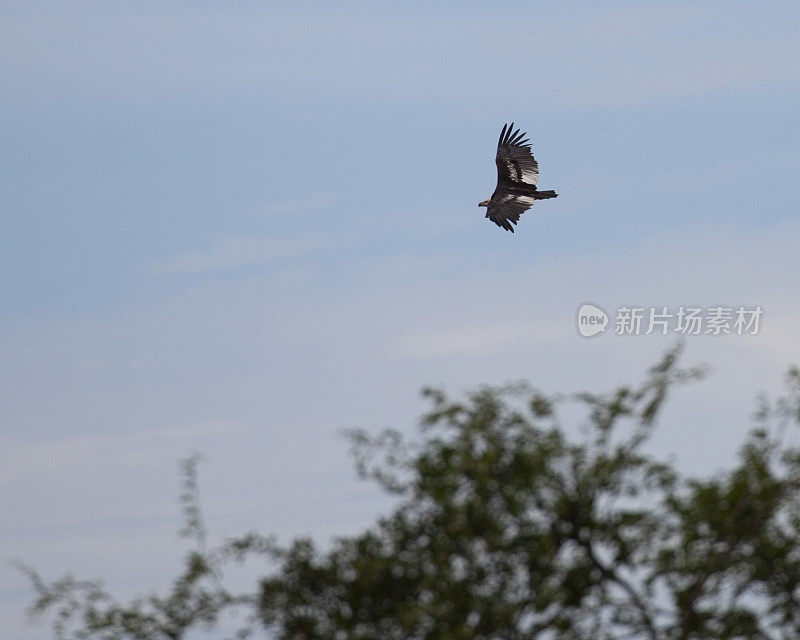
<point>509,525</point>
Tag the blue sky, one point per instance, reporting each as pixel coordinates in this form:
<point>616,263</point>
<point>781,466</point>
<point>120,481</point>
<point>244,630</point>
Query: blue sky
<point>237,229</point>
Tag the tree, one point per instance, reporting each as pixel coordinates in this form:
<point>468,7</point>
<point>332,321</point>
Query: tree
<point>508,528</point>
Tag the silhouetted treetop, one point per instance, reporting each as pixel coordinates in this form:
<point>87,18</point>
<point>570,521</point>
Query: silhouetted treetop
<point>508,526</point>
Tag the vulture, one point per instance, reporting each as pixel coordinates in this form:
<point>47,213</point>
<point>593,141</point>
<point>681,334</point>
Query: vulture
<point>517,172</point>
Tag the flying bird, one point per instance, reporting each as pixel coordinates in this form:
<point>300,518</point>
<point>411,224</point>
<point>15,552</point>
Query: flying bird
<point>517,173</point>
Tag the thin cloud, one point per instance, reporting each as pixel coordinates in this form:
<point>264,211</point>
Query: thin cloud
<point>301,205</point>
<point>618,57</point>
<point>474,340</point>
<point>235,253</point>
<point>25,460</point>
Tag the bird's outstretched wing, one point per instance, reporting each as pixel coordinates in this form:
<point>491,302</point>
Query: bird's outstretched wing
<point>515,162</point>
<point>505,209</point>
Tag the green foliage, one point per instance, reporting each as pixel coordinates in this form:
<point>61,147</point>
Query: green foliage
<point>509,528</point>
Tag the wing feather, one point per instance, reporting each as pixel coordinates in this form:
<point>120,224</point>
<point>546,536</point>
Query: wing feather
<point>504,210</point>
<point>514,160</point>
<point>502,134</point>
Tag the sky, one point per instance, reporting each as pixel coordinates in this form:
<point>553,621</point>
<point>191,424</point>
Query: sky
<point>239,228</point>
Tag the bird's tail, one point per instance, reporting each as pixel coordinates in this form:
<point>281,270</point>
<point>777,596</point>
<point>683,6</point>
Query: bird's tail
<point>544,195</point>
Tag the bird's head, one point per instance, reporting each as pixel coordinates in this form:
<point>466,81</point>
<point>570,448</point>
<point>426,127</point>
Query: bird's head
<point>484,203</point>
